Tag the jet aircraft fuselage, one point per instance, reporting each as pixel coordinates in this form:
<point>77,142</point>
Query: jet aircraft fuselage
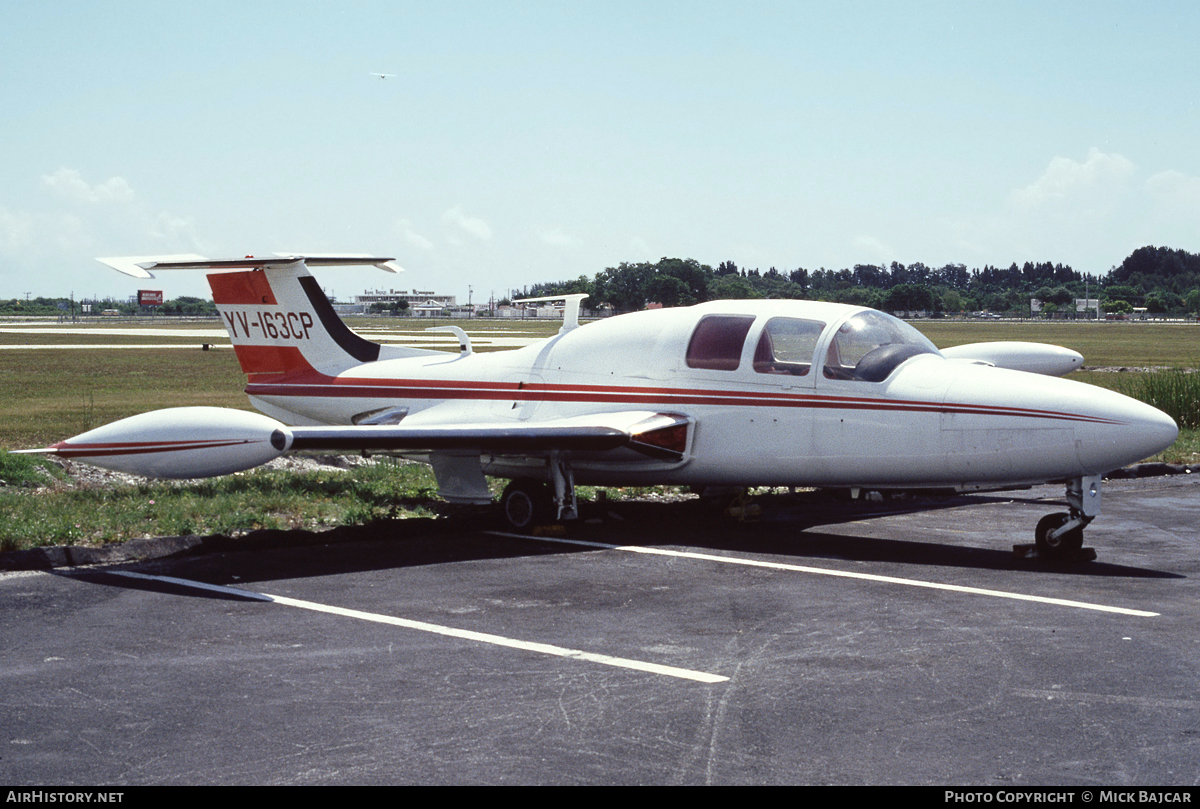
<point>725,393</point>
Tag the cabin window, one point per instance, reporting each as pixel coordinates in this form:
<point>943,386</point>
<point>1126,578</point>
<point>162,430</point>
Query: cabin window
<point>717,342</point>
<point>787,345</point>
<point>870,345</point>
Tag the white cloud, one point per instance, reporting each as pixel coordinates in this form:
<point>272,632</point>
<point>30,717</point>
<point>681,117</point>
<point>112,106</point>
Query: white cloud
<point>1174,188</point>
<point>1084,213</point>
<point>16,229</point>
<point>470,225</point>
<point>873,249</point>
<point>1068,182</point>
<point>116,220</point>
<point>55,244</point>
<point>171,229</point>
<point>411,237</point>
<point>70,185</point>
<point>555,237</point>
<point>640,248</point>
<point>1171,215</point>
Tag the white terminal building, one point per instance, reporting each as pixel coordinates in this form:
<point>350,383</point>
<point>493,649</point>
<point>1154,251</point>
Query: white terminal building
<point>421,302</point>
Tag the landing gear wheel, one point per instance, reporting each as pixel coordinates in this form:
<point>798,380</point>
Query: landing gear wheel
<point>526,504</point>
<point>1062,546</point>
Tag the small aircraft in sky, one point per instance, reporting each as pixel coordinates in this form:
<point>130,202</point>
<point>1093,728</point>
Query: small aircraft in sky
<point>384,75</point>
<point>724,393</point>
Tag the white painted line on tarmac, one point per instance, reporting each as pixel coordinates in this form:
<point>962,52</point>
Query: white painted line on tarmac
<point>109,347</point>
<point>115,332</point>
<point>735,560</point>
<point>195,585</point>
<point>466,634</point>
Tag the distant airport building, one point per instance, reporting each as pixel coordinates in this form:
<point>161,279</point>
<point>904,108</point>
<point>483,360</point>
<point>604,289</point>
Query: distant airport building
<point>421,302</point>
<point>552,311</point>
<point>1085,307</point>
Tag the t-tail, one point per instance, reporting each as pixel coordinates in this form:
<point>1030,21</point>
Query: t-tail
<point>278,318</point>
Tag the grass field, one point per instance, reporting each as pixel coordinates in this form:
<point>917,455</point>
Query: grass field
<point>1107,344</point>
<point>51,394</point>
<point>47,394</point>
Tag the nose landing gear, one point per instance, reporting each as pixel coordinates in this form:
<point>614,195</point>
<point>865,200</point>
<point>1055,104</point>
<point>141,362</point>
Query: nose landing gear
<point>1060,536</point>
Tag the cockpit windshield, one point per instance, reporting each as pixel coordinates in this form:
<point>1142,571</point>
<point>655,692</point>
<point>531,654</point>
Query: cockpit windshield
<point>870,345</point>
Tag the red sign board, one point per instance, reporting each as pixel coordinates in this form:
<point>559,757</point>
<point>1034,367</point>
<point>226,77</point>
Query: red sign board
<point>150,297</point>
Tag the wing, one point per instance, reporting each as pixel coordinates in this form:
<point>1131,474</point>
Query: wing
<point>195,442</point>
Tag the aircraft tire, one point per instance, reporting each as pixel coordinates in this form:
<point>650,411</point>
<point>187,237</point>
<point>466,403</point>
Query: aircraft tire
<point>526,504</point>
<point>1064,545</point>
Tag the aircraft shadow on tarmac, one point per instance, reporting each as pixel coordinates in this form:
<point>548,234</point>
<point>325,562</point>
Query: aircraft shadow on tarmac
<point>785,529</point>
<point>786,525</point>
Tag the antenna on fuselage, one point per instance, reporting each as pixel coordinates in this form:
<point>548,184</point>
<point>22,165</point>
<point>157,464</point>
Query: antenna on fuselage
<point>570,308</point>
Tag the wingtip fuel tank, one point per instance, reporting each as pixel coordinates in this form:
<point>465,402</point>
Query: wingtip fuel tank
<point>177,443</point>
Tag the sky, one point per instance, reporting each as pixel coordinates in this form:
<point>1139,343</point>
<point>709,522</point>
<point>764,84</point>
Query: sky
<point>522,142</point>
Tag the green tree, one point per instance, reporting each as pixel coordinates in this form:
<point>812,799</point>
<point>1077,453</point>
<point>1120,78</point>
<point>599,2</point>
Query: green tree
<point>731,287</point>
<point>624,287</point>
<point>694,276</point>
<point>1059,296</point>
<point>668,290</point>
<point>1191,301</point>
<point>952,301</point>
<point>909,298</point>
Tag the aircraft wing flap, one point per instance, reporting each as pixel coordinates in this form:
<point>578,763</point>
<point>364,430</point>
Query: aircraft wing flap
<point>658,435</point>
<point>488,438</point>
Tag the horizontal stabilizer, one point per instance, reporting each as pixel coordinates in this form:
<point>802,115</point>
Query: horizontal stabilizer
<point>142,266</point>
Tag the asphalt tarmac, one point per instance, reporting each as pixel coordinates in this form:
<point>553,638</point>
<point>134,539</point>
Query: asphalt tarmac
<point>894,642</point>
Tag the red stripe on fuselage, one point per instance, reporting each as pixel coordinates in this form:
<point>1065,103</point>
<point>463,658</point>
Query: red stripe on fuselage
<point>322,386</point>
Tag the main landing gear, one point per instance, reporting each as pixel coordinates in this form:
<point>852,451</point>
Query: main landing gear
<point>528,502</point>
<point>1059,536</point>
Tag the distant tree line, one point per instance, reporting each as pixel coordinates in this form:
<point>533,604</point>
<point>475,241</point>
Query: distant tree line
<point>184,305</point>
<point>389,308</point>
<point>1158,278</point>
<point>1163,280</point>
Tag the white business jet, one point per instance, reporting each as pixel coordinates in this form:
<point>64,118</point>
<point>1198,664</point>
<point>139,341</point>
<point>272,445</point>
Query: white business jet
<point>725,393</point>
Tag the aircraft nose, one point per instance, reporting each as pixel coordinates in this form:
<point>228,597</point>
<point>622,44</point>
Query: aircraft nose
<point>1039,426</point>
<point>1122,431</point>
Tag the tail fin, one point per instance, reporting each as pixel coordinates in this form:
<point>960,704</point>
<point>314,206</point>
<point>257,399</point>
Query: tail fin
<point>280,322</point>
<point>278,319</point>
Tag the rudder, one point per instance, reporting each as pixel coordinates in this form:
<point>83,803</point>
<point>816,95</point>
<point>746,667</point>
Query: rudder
<point>280,322</point>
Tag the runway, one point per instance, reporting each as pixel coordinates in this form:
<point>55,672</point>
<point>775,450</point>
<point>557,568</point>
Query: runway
<point>412,336</point>
<point>833,643</point>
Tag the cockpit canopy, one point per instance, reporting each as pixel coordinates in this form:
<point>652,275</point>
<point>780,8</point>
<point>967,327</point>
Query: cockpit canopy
<point>869,345</point>
<point>866,347</point>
